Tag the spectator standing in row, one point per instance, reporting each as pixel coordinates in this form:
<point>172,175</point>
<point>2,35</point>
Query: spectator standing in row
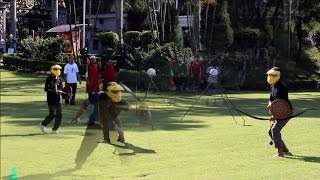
<point>93,90</point>
<point>195,71</point>
<point>72,76</point>
<point>109,72</point>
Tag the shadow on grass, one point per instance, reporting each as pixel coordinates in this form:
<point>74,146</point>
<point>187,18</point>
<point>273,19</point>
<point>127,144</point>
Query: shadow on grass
<point>90,141</point>
<point>21,135</point>
<point>312,159</point>
<point>28,114</point>
<point>127,149</point>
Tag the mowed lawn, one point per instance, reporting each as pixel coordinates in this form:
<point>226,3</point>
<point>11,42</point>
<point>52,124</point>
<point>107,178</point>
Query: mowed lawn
<point>207,144</point>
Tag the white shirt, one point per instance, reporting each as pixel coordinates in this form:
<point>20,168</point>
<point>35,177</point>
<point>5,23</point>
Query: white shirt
<point>71,71</point>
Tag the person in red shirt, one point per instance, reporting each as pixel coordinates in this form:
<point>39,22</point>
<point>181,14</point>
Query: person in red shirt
<point>92,90</point>
<point>195,72</point>
<point>108,73</point>
<point>93,75</point>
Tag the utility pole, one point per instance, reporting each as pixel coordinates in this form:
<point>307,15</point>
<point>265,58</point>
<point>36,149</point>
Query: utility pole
<point>3,8</point>
<point>55,12</point>
<point>84,24</point>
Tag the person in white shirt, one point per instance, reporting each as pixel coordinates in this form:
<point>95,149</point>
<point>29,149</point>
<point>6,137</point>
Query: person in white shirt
<point>72,76</point>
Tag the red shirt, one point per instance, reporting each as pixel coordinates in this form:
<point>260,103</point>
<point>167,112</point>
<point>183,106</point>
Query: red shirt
<point>108,73</point>
<point>93,78</point>
<point>195,67</point>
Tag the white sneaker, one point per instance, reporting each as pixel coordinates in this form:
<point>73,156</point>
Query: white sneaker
<point>42,128</point>
<point>55,132</point>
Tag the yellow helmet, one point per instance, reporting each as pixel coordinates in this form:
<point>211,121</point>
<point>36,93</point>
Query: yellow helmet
<point>114,91</point>
<point>55,69</point>
<point>273,75</point>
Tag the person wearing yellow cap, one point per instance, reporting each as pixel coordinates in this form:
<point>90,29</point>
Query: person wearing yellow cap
<point>278,90</point>
<point>53,87</point>
<point>110,105</point>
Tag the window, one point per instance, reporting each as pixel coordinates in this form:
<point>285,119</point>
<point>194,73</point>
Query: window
<point>101,21</point>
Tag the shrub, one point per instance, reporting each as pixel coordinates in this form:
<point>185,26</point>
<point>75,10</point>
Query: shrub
<point>248,37</point>
<point>314,37</point>
<point>132,78</point>
<point>132,38</point>
<point>49,49</point>
<point>108,39</point>
<point>17,62</point>
<point>147,38</point>
<point>303,84</point>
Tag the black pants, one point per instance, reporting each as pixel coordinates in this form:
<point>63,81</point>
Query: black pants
<point>74,90</point>
<point>54,112</point>
<point>275,132</point>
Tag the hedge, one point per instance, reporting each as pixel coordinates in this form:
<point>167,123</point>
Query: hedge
<point>132,78</point>
<point>12,61</point>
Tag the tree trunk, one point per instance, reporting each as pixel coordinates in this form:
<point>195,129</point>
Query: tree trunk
<point>299,37</point>
<point>197,26</point>
<point>211,32</point>
<point>206,26</point>
<point>155,20</point>
<point>163,22</point>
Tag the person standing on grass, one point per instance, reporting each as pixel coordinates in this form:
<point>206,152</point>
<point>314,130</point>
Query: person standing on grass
<point>53,87</point>
<point>72,76</point>
<point>195,71</point>
<point>109,73</point>
<point>110,105</point>
<point>92,90</point>
<point>278,90</point>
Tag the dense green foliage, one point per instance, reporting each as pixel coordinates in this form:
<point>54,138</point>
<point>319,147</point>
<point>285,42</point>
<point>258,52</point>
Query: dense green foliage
<point>16,62</point>
<point>108,39</point>
<point>132,38</point>
<point>49,49</point>
<point>315,38</point>
<point>223,32</point>
<point>248,37</point>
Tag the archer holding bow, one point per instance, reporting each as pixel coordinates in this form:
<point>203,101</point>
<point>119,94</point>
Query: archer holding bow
<point>278,91</point>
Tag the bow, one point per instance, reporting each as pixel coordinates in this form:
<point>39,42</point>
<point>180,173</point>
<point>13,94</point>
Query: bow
<point>260,118</point>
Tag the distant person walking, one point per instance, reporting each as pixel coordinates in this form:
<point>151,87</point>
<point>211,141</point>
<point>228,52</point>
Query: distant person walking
<point>72,76</point>
<point>53,87</point>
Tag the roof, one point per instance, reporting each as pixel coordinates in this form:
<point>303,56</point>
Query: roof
<point>65,28</point>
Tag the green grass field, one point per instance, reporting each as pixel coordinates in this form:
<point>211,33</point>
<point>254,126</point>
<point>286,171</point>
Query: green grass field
<point>206,144</point>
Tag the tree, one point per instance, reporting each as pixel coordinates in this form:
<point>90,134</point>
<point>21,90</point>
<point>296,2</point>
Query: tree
<point>222,28</point>
<point>314,37</point>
